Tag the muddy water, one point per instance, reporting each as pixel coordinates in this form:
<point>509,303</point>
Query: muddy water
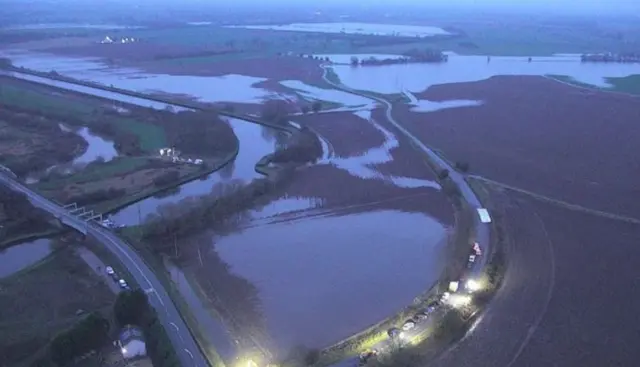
<point>392,79</point>
<point>318,286</point>
<point>22,255</point>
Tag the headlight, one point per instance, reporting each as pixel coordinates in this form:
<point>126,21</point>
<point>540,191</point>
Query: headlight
<point>473,285</point>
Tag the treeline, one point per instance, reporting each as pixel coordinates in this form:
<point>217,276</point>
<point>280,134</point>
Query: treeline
<point>411,56</point>
<point>630,57</point>
<point>59,146</point>
<point>133,308</point>
<point>89,334</point>
<point>303,147</point>
<point>228,200</point>
<point>18,216</point>
<point>225,205</point>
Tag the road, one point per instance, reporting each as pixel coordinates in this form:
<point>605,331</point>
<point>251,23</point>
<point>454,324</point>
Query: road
<point>481,230</point>
<point>184,343</point>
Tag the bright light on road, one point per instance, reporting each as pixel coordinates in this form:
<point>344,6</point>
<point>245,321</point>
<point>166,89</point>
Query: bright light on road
<point>473,285</point>
<point>123,350</point>
<point>459,300</point>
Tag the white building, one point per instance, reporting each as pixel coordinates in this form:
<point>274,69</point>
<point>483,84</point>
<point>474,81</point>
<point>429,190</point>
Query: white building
<point>131,342</point>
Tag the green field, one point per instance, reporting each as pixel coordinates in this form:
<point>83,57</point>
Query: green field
<point>68,107</point>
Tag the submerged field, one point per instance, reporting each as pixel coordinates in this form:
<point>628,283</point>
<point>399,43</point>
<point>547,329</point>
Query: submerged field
<point>539,135</point>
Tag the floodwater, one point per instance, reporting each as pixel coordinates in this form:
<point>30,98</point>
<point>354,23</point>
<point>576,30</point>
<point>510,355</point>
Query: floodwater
<point>392,79</point>
<point>255,142</point>
<point>98,148</point>
<point>423,105</point>
<point>67,25</point>
<point>318,286</point>
<point>362,165</point>
<point>355,28</point>
<point>95,92</point>
<point>226,88</point>
<point>20,256</point>
<point>310,92</point>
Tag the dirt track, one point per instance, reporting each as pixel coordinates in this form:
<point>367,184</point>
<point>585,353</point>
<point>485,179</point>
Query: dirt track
<point>566,143</point>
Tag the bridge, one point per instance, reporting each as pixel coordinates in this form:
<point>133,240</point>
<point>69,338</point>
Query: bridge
<point>81,213</point>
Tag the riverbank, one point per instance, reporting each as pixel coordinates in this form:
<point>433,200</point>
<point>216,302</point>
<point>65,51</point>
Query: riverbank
<point>10,241</point>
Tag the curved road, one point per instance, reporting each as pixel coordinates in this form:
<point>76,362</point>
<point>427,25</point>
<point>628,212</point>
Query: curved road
<point>481,229</point>
<point>182,340</point>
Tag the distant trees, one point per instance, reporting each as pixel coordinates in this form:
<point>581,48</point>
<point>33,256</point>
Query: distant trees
<point>316,106</point>
<point>274,110</point>
<point>131,307</point>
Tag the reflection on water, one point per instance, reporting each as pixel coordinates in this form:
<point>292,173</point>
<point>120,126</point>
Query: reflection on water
<point>20,256</point>
<point>97,148</point>
<point>253,146</point>
<point>318,285</point>
<point>392,79</point>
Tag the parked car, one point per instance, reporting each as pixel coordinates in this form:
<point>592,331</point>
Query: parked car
<point>408,325</point>
<point>394,333</point>
<point>123,284</point>
<point>366,356</point>
<point>421,316</point>
<point>472,260</point>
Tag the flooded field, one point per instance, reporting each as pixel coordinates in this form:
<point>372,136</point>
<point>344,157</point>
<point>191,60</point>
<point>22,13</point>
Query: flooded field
<point>22,255</point>
<point>355,28</point>
<point>391,79</point>
<point>255,142</point>
<point>98,148</point>
<point>318,286</point>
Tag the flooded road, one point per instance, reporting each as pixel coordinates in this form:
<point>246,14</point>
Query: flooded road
<point>317,286</point>
<point>21,256</point>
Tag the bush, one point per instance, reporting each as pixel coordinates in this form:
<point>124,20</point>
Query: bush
<point>462,167</point>
<point>131,307</point>
<point>312,357</point>
<point>89,334</point>
<point>166,178</point>
<point>443,174</point>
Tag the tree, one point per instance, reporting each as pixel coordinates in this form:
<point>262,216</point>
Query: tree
<point>312,357</point>
<point>316,106</point>
<point>131,307</point>
<point>305,109</point>
<point>462,166</point>
<point>443,174</point>
<point>355,61</point>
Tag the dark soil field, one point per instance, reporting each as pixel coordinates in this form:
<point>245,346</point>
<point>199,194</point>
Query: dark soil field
<point>39,303</point>
<point>349,134</point>
<point>569,296</point>
<point>570,144</point>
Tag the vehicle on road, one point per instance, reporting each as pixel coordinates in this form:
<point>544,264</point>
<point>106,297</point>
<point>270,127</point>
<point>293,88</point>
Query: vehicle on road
<point>367,356</point>
<point>421,316</point>
<point>409,325</point>
<point>123,284</point>
<point>110,271</point>
<point>472,260</point>
<point>394,333</point>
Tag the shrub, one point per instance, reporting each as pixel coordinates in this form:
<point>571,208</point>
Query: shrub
<point>87,335</point>
<point>443,174</point>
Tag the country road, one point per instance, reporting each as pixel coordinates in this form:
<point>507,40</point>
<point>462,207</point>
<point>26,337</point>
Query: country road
<point>481,229</point>
<point>182,340</point>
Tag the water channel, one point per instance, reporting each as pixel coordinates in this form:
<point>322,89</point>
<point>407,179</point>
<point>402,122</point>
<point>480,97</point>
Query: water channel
<point>23,255</point>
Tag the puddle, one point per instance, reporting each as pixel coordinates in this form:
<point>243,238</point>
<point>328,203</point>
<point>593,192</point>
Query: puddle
<point>318,286</point>
<point>20,256</point>
<point>255,142</point>
<point>354,28</point>
<point>391,79</point>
